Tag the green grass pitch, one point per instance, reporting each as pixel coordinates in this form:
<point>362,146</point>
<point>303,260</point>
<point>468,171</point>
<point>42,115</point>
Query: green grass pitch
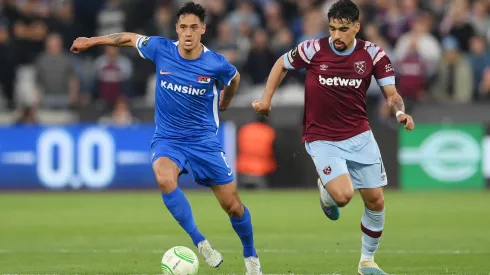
<point>128,232</point>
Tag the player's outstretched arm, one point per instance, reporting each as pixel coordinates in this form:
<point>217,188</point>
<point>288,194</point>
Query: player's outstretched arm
<point>276,76</point>
<point>397,105</point>
<point>124,39</point>
<point>228,92</point>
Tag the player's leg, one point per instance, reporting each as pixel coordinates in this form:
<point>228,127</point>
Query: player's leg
<point>241,222</point>
<point>210,168</point>
<point>334,181</point>
<point>370,180</point>
<point>167,164</point>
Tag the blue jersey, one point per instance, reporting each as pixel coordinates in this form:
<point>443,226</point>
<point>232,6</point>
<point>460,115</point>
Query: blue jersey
<point>187,95</point>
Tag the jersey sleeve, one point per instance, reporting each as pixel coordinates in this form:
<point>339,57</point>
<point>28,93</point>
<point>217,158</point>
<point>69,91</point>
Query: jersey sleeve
<point>227,71</point>
<point>383,69</point>
<point>300,57</point>
<point>147,46</point>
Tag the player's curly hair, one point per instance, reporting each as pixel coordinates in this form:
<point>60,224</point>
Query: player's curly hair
<point>344,10</point>
<point>192,8</point>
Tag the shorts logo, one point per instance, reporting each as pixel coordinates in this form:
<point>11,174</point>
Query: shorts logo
<point>204,79</point>
<point>328,170</point>
<point>360,67</point>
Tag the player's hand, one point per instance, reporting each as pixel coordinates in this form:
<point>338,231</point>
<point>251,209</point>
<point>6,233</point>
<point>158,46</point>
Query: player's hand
<point>406,120</point>
<point>261,107</point>
<point>80,44</point>
<point>223,104</point>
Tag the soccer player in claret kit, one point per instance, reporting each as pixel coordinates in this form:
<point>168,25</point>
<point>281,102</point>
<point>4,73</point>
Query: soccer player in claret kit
<point>187,122</point>
<point>336,130</point>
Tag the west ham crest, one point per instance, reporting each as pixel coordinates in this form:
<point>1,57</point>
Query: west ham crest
<point>328,170</point>
<point>360,67</point>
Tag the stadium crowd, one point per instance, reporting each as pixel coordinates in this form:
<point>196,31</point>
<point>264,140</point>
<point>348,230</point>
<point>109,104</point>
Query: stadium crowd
<point>439,48</point>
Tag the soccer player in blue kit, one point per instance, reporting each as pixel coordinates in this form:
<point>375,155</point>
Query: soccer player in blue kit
<point>187,121</point>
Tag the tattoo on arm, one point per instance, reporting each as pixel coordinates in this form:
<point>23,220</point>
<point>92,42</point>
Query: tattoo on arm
<point>116,37</point>
<point>397,104</point>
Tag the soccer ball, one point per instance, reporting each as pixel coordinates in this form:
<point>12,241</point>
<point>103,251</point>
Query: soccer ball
<point>180,260</point>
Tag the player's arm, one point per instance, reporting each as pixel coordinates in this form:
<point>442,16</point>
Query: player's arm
<point>395,102</point>
<point>275,78</point>
<point>124,39</point>
<point>385,77</point>
<point>228,92</point>
<point>297,58</point>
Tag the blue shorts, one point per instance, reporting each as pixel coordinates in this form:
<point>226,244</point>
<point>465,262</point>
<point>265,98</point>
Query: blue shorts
<point>358,156</point>
<point>208,164</point>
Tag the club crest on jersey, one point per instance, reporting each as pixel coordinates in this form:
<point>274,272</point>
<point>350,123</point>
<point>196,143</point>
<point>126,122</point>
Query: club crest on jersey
<point>204,79</point>
<point>360,67</point>
<point>328,170</point>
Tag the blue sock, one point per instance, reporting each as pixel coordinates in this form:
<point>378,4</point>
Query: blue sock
<point>180,208</point>
<point>243,228</point>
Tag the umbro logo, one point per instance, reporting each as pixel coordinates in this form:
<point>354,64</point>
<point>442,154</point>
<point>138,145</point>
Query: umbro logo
<point>323,67</point>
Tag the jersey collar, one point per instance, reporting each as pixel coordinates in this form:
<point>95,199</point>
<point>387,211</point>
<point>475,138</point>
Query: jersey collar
<point>348,52</point>
<point>176,43</point>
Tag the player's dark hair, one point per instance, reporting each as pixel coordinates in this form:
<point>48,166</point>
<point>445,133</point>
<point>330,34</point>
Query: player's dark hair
<point>192,8</point>
<point>344,10</point>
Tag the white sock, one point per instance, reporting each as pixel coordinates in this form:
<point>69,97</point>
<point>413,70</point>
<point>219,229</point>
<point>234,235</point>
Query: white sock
<point>372,224</point>
<point>326,196</point>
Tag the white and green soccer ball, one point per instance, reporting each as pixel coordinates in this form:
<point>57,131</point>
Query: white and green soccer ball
<point>180,260</point>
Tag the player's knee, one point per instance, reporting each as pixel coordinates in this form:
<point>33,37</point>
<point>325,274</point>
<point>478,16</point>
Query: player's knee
<point>343,198</point>
<point>233,208</point>
<point>376,204</point>
<point>166,182</point>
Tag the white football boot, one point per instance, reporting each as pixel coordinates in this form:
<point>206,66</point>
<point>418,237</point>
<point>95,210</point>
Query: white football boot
<point>252,266</point>
<point>211,256</point>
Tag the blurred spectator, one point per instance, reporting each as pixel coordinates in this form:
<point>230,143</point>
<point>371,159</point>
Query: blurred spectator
<point>113,72</point>
<point>216,11</point>
<point>314,26</point>
<point>7,63</point>
<point>375,99</point>
<point>480,59</point>
<point>162,24</point>
<point>479,18</point>
<point>226,44</point>
<point>393,22</point>
<point>56,76</point>
<point>457,24</point>
<point>29,31</point>
<point>111,18</point>
<point>438,7</point>
<point>411,78</point>
<point>454,80</point>
<point>247,32</point>
<point>121,114</point>
<point>260,54</point>
<point>281,42</point>
<point>245,12</point>
<point>419,41</point>
<point>63,22</point>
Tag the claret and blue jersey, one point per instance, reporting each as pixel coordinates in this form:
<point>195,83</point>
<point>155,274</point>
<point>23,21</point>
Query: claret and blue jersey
<point>187,108</point>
